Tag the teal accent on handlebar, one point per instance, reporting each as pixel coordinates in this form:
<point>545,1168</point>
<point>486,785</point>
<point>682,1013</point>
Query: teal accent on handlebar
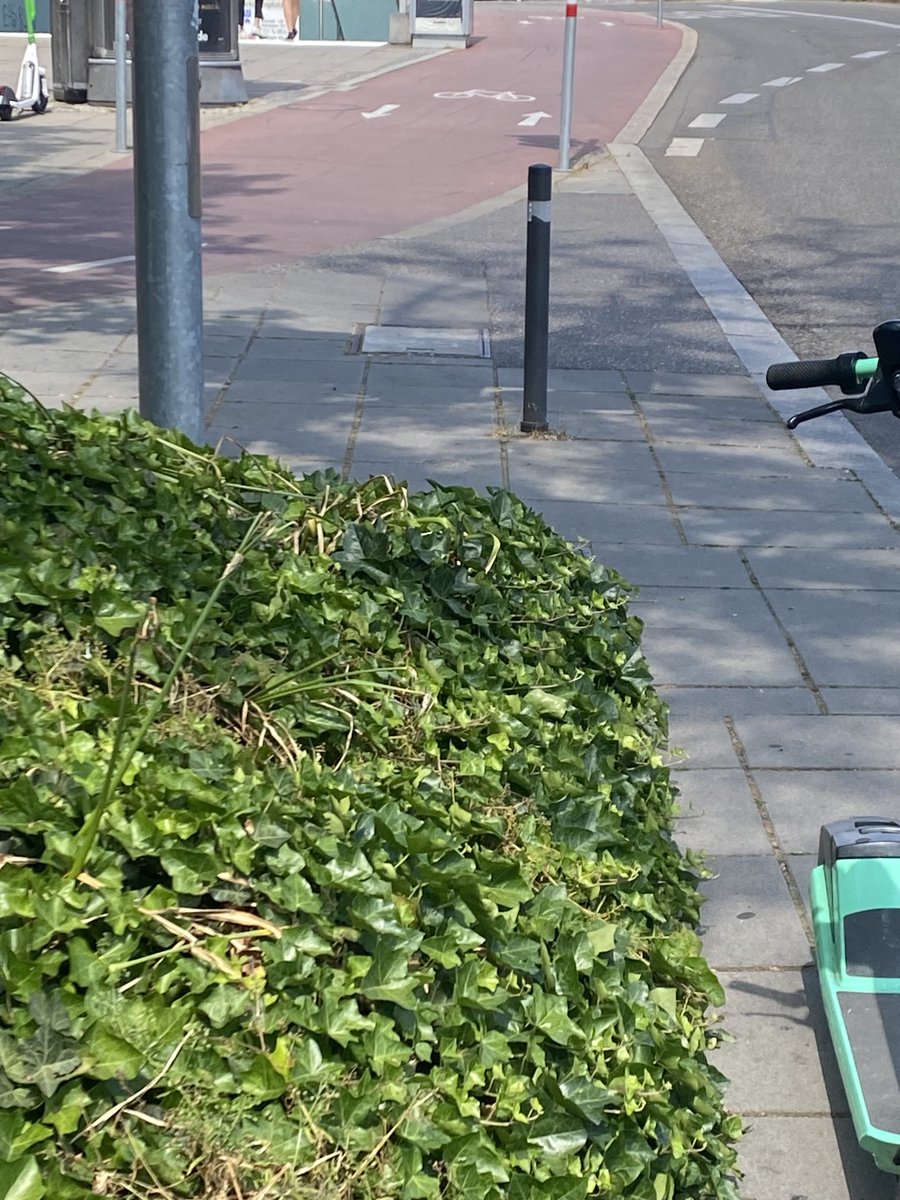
<point>865,368</point>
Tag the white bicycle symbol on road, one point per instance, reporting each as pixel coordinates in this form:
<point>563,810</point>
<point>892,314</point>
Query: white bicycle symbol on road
<point>474,93</point>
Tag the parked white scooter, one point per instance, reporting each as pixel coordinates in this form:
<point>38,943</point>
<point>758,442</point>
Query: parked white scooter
<point>31,90</point>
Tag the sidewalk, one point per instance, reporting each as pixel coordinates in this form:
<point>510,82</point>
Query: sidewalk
<point>767,563</point>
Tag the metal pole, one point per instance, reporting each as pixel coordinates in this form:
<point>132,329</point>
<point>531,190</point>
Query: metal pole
<point>565,124</point>
<point>121,35</point>
<point>659,16</point>
<point>537,300</point>
<point>321,20</point>
<point>169,278</point>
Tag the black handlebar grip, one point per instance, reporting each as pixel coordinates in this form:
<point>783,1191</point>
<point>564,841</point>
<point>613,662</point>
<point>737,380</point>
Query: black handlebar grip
<point>811,372</point>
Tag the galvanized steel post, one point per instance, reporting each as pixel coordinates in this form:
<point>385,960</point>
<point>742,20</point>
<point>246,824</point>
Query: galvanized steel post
<point>537,300</point>
<point>169,278</point>
<point>568,77</point>
<point>121,40</point>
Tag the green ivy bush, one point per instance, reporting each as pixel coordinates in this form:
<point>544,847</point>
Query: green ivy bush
<point>335,844</point>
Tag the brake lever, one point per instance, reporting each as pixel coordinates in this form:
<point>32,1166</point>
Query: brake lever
<point>877,398</point>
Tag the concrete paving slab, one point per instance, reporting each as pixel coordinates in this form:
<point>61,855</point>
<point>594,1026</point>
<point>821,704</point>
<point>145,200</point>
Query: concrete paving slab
<point>715,702</point>
<point>284,432</point>
<point>299,350</point>
<point>377,439</point>
<point>801,801</point>
<point>845,639</point>
<point>749,462</point>
<point>296,393</point>
<point>50,386</point>
<point>564,380</point>
<point>808,493</point>
<point>305,287</point>
<point>705,609</point>
<point>417,298</point>
<point>807,1158</point>
<point>615,484</point>
<point>885,701</point>
<point>704,412</point>
<point>774,1064</point>
<point>568,403</point>
<point>817,568</point>
<point>683,566</point>
<point>686,383</point>
<point>436,401</point>
<point>587,523</point>
<point>756,527</point>
<point>700,743</point>
<point>712,657</point>
<point>418,475</point>
<point>344,373</point>
<point>748,918</point>
<point>801,867</point>
<point>476,419</point>
<point>810,743</point>
<point>567,470</point>
<point>596,426</point>
<point>718,814</point>
<point>718,431</point>
<point>384,376</point>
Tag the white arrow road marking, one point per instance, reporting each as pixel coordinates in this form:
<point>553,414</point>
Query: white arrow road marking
<point>739,98</point>
<point>533,118</point>
<point>782,81</point>
<point>380,112</point>
<point>684,147</point>
<point>707,120</point>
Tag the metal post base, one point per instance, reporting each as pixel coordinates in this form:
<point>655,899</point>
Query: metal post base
<point>220,83</point>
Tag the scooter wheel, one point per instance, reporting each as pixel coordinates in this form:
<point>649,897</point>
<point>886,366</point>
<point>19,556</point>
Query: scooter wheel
<point>39,106</point>
<point>6,95</point>
<point>5,112</point>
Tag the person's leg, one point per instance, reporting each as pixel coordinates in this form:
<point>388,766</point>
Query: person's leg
<point>291,17</point>
<point>258,18</point>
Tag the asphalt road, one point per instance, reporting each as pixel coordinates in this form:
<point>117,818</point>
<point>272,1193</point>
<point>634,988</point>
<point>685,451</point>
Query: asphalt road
<point>795,179</point>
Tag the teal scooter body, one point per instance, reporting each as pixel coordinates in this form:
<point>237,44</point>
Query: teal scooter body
<point>855,898</point>
<point>855,889</point>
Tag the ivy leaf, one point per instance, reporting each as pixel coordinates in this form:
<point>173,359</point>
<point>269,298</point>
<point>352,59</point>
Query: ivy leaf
<point>17,1136</point>
<point>47,1059</point>
<point>21,1180</point>
<point>49,1011</point>
<point>110,1056</point>
<point>557,1135</point>
<point>12,1096</point>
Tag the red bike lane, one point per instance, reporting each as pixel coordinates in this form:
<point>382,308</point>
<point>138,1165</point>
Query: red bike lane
<point>311,176</point>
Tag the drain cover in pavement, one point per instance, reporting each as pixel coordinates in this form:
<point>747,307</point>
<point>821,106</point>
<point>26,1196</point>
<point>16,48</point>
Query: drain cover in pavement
<point>408,339</point>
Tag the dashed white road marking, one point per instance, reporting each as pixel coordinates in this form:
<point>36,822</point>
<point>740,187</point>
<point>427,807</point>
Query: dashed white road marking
<point>740,98</point>
<point>682,147</point>
<point>707,120</point>
<point>871,54</point>
<point>86,266</point>
<point>71,268</point>
<point>822,67</point>
<point>783,81</point>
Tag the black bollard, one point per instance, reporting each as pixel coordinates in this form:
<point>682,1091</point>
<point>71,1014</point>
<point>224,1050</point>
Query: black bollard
<point>537,300</point>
